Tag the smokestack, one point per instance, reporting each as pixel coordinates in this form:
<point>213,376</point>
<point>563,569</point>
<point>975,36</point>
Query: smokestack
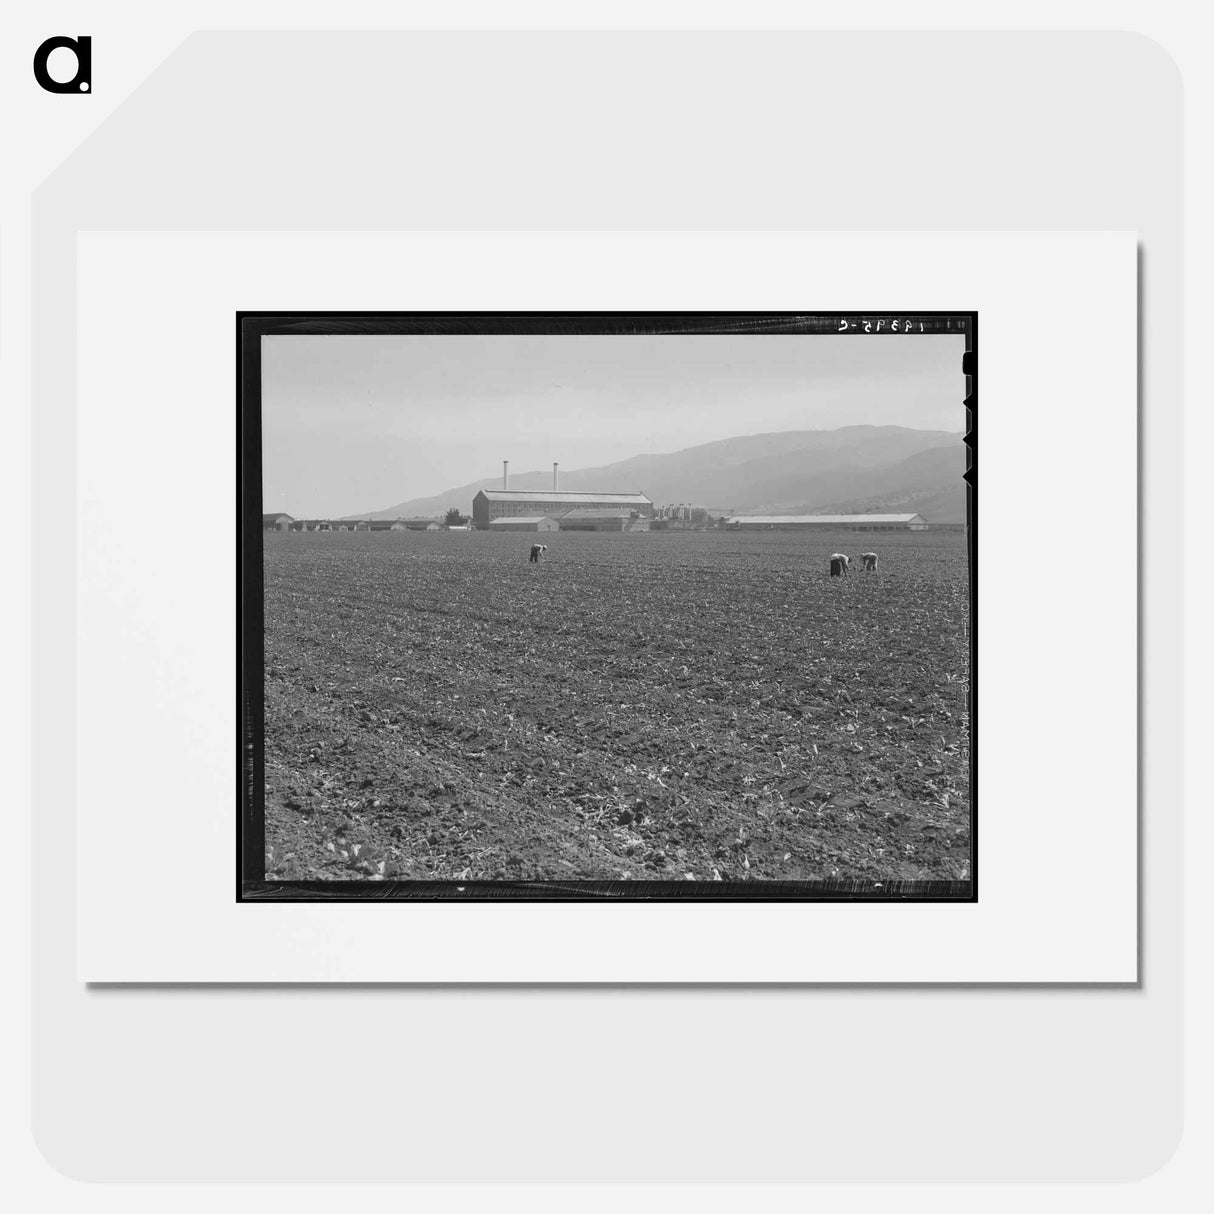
<point>505,474</point>
<point>556,483</point>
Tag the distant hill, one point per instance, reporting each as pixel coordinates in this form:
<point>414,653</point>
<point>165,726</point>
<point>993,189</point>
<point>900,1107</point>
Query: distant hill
<point>928,483</point>
<point>794,471</point>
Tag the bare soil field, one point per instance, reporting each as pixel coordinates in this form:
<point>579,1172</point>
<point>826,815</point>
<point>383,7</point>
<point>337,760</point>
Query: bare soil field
<point>669,705</point>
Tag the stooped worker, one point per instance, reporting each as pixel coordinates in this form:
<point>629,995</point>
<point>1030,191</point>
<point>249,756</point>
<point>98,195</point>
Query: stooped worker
<point>839,562</point>
<point>868,562</point>
<point>537,550</point>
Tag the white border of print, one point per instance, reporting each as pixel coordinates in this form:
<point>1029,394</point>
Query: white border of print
<point>156,630</point>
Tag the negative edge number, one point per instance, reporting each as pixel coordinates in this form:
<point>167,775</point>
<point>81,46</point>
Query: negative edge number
<point>870,326</point>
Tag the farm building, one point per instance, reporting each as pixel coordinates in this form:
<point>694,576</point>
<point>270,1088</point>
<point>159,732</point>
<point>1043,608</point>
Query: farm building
<point>490,504</point>
<point>847,522</point>
<point>276,522</point>
<point>395,524</point>
<point>524,522</point>
<point>603,520</point>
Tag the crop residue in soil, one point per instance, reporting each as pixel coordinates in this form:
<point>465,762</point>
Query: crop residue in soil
<point>690,706</point>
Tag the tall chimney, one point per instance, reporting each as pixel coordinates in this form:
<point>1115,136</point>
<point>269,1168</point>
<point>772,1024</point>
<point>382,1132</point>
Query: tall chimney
<point>505,474</point>
<point>556,484</point>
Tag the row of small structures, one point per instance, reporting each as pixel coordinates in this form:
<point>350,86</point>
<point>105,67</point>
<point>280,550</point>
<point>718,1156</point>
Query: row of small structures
<point>572,520</point>
<point>284,522</point>
<point>586,518</point>
<point>507,509</point>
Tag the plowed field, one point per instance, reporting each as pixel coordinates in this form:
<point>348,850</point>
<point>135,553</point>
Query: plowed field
<point>653,706</point>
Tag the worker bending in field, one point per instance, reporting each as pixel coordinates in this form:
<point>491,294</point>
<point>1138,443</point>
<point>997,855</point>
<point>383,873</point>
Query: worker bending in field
<point>537,550</point>
<point>839,562</point>
<point>868,561</point>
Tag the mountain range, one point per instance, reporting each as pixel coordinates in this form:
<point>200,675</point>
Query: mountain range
<point>854,470</point>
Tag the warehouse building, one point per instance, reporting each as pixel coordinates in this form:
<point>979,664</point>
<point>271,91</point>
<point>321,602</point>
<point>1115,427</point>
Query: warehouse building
<point>821,522</point>
<point>525,522</point>
<point>491,504</point>
<point>276,522</point>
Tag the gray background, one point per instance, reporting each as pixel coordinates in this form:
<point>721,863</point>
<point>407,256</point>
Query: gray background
<point>783,131</point>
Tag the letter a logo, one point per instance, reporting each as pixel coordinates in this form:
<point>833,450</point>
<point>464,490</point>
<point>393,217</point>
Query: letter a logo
<point>82,81</point>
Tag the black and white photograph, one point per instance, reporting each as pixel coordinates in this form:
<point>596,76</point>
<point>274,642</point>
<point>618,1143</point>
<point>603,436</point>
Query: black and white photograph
<point>573,605</point>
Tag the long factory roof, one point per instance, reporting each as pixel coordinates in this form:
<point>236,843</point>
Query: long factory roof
<point>560,497</point>
<point>826,520</point>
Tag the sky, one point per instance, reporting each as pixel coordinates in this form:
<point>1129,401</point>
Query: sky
<point>356,423</point>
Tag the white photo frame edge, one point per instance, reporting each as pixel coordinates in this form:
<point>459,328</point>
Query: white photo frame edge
<point>1036,362</point>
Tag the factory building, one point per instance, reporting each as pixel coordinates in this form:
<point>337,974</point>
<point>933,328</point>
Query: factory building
<point>822,522</point>
<point>491,504</point>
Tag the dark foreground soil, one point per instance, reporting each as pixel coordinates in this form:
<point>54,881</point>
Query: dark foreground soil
<point>658,706</point>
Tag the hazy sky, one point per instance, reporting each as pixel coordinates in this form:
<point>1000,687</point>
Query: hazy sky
<point>359,423</point>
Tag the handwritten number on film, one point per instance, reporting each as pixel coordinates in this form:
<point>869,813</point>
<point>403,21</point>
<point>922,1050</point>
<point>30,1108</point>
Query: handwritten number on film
<point>875,326</point>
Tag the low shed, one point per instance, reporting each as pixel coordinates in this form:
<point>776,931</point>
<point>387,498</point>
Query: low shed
<point>845,522</point>
<point>528,522</point>
<point>603,520</point>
